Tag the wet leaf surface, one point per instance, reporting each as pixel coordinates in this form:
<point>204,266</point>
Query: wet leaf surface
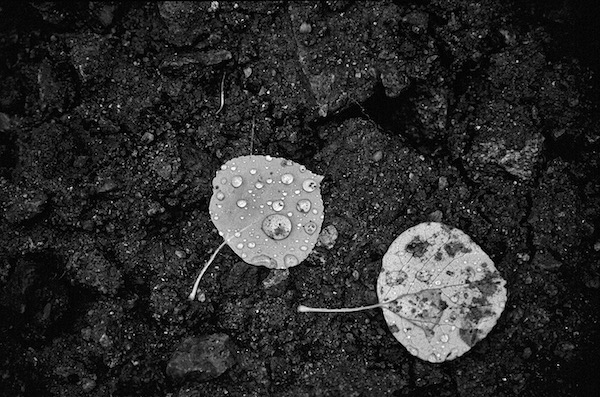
<point>269,210</point>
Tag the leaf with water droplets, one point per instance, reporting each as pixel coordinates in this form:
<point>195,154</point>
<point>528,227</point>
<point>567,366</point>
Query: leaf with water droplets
<point>269,210</point>
<point>440,293</point>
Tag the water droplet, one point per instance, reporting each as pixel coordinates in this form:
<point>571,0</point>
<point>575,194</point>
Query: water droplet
<point>269,180</point>
<point>437,282</point>
<point>223,181</point>
<point>268,158</point>
<point>233,168</point>
<point>220,196</point>
<point>242,203</point>
<point>303,205</point>
<point>287,179</point>
<point>296,191</point>
<point>444,338</point>
<point>315,211</point>
<point>216,217</point>
<point>251,245</point>
<point>302,168</point>
<point>309,185</point>
<point>413,351</point>
<point>224,167</point>
<point>290,260</point>
<point>240,245</point>
<point>237,234</point>
<point>454,299</point>
<point>264,260</point>
<point>303,248</point>
<point>290,214</point>
<point>310,227</point>
<point>277,226</point>
<point>258,185</point>
<point>236,181</point>
<point>253,171</point>
<point>278,205</point>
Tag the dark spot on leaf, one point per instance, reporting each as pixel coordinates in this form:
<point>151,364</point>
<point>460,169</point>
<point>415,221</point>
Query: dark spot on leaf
<point>394,328</point>
<point>455,246</point>
<point>469,335</point>
<point>417,247</point>
<point>488,285</point>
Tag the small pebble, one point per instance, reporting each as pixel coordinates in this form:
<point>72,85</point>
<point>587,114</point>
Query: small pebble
<point>442,182</point>
<point>305,27</point>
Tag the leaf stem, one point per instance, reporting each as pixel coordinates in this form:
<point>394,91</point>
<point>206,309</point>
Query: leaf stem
<point>192,295</point>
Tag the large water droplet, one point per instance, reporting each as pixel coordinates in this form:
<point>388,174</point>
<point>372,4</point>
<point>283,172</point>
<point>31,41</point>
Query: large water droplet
<point>236,181</point>
<point>309,185</point>
<point>287,179</point>
<point>277,226</point>
<point>242,203</point>
<point>290,260</point>
<point>251,245</point>
<point>303,205</point>
<point>259,185</point>
<point>264,260</point>
<point>310,227</point>
<point>278,205</point>
<point>220,196</point>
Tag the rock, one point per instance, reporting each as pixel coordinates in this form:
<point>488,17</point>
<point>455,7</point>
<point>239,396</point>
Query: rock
<point>90,268</point>
<point>202,359</point>
<point>24,205</point>
<point>328,237</point>
<point>186,21</point>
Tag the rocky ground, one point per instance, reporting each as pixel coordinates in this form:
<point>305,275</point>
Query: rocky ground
<point>114,118</point>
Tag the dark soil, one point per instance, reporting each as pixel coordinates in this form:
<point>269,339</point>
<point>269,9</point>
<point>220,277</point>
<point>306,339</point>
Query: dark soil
<point>482,115</point>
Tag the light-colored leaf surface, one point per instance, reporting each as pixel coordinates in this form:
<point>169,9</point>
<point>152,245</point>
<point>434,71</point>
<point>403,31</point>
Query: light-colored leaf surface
<point>444,293</point>
<point>269,210</point>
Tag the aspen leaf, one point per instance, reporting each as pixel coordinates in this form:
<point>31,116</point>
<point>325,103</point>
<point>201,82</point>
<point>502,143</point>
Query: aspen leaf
<point>269,210</point>
<point>439,292</point>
